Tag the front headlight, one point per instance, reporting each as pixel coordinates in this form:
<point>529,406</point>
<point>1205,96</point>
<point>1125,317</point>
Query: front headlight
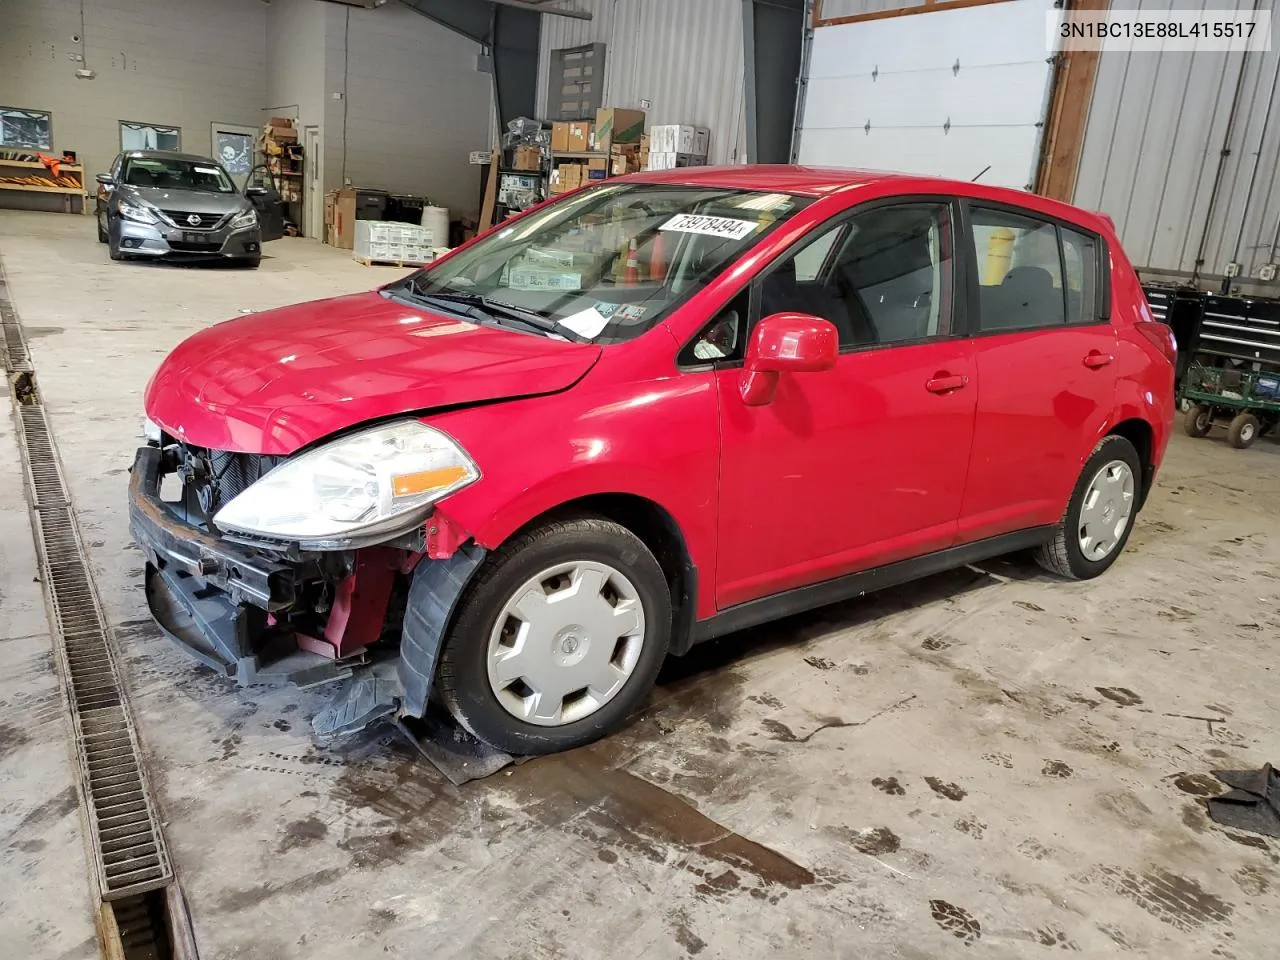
<point>363,488</point>
<point>151,430</point>
<point>134,210</point>
<point>247,219</point>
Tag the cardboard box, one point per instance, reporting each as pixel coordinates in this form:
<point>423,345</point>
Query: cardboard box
<point>330,207</point>
<point>615,125</point>
<point>526,158</point>
<point>543,278</point>
<point>280,122</point>
<point>579,136</point>
<point>344,220</point>
<point>270,132</point>
<point>702,141</point>
<point>624,158</point>
<point>597,168</point>
<point>566,177</point>
<point>560,136</point>
<point>668,160</point>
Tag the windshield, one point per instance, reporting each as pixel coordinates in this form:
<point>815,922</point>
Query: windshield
<point>170,174</point>
<point>604,265</point>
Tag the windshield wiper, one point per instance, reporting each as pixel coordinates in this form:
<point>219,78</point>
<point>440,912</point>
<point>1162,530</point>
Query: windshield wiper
<point>496,309</point>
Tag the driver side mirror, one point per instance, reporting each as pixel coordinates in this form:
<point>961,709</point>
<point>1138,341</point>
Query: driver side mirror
<point>786,343</point>
<point>255,191</point>
<point>106,179</point>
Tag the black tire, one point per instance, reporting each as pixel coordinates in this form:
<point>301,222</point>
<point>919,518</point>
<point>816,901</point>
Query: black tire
<point>1243,430</point>
<point>1062,555</point>
<point>113,245</point>
<point>102,234</point>
<point>1197,421</point>
<point>462,680</point>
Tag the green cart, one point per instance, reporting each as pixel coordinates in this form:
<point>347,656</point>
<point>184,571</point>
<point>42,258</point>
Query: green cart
<point>1248,402</point>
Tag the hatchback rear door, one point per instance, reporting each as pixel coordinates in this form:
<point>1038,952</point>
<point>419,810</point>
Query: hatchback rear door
<point>864,464</point>
<point>1045,352</point>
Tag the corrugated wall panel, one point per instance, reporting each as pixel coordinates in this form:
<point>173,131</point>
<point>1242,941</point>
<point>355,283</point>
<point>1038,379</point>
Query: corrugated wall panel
<point>685,57</point>
<point>852,8</point>
<point>1156,129</point>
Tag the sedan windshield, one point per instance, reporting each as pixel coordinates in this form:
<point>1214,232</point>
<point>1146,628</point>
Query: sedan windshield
<point>606,264</point>
<point>168,173</point>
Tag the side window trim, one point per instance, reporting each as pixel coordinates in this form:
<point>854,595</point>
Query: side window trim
<point>960,283</point>
<point>1101,314</point>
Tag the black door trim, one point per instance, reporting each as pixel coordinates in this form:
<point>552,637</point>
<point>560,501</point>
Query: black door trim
<point>755,612</point>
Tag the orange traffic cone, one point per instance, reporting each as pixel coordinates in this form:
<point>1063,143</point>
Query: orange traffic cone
<point>657,258</point>
<point>631,276</point>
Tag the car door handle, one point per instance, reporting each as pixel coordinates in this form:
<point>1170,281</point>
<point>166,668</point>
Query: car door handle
<point>1095,359</point>
<point>945,383</point>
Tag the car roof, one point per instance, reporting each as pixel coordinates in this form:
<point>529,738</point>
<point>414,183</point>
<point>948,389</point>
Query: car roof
<point>824,181</point>
<point>169,155</point>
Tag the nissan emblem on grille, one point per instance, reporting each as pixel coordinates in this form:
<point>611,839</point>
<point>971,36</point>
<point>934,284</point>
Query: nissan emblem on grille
<point>194,219</point>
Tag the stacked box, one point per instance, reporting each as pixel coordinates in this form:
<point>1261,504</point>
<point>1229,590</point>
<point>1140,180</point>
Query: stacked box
<point>389,240</point>
<point>674,145</point>
<point>617,126</point>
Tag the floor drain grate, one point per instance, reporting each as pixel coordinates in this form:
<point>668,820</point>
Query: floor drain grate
<point>123,825</point>
<point>122,818</point>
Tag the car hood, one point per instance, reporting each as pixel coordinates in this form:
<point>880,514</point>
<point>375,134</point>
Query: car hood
<point>188,201</point>
<point>276,381</point>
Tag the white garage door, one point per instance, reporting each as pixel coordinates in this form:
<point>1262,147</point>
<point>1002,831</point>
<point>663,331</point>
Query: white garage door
<point>946,93</point>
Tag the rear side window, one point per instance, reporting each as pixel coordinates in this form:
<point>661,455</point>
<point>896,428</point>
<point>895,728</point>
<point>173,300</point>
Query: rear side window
<point>1080,256</point>
<point>1032,273</point>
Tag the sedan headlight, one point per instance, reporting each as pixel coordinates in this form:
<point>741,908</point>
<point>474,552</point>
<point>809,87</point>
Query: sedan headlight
<point>364,488</point>
<point>135,210</point>
<point>244,220</point>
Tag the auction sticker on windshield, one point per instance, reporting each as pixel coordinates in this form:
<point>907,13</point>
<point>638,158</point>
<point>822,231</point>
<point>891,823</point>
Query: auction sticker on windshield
<point>728,227</point>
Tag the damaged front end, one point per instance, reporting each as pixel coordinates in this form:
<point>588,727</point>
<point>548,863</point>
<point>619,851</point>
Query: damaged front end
<point>263,610</point>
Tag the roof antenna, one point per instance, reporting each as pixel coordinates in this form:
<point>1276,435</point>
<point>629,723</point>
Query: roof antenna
<point>980,173</point>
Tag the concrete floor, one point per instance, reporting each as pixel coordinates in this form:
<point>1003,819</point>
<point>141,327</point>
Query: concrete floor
<point>989,758</point>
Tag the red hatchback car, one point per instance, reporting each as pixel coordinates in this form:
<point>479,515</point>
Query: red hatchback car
<point>655,411</point>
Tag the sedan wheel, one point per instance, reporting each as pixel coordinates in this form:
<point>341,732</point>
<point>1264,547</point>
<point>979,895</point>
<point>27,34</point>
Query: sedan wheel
<point>1106,510</point>
<point>1099,516</point>
<point>565,643</point>
<point>557,638</point>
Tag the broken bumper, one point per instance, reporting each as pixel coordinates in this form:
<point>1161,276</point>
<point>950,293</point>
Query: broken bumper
<point>212,597</point>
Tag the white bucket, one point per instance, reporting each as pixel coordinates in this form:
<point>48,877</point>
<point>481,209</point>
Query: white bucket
<point>436,219</point>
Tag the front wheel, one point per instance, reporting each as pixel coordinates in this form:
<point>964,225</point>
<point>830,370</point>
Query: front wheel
<point>1243,430</point>
<point>1099,515</point>
<point>1197,421</point>
<point>102,231</point>
<point>558,638</point>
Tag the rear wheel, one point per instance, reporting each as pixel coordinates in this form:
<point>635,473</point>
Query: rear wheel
<point>1244,429</point>
<point>558,638</point>
<point>102,230</point>
<point>1099,515</point>
<point>1197,421</point>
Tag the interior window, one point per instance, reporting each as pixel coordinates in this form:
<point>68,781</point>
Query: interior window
<point>1080,254</point>
<point>149,136</point>
<point>1019,271</point>
<point>889,279</point>
<point>25,128</point>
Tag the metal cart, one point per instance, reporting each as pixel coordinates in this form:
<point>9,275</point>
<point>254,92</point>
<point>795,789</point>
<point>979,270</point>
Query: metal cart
<point>1232,374</point>
<point>1247,401</point>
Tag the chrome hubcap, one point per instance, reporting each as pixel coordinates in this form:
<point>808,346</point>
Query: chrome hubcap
<point>565,643</point>
<point>1106,510</point>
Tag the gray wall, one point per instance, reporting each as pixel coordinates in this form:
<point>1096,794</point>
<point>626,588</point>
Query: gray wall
<point>1157,126</point>
<point>415,105</point>
<point>184,63</point>
<point>685,56</point>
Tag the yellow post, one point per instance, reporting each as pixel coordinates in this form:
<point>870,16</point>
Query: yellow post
<point>999,256</point>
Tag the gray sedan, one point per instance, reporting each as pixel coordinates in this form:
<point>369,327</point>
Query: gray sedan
<point>160,205</point>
